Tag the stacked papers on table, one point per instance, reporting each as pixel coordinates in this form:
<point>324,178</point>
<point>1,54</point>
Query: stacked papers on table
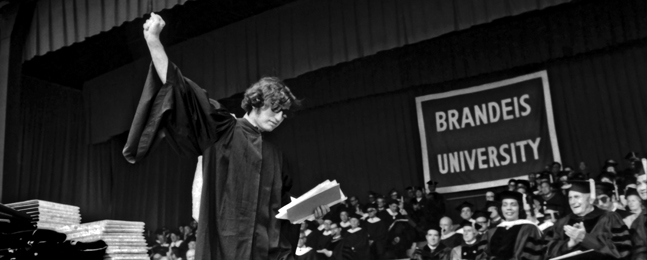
<point>48,215</point>
<point>301,209</point>
<point>125,239</point>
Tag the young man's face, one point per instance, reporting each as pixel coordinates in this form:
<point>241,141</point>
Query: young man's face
<point>466,213</point>
<point>354,222</point>
<point>266,119</point>
<point>343,216</point>
<point>433,237</point>
<point>544,188</point>
<point>380,202</point>
<point>393,207</point>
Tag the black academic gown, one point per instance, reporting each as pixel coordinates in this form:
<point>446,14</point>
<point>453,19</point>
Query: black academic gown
<point>606,234</point>
<point>424,252</point>
<point>557,201</point>
<point>521,241</point>
<point>453,240</point>
<point>639,237</point>
<point>306,254</point>
<point>358,240</point>
<point>467,252</point>
<point>377,232</point>
<point>242,173</point>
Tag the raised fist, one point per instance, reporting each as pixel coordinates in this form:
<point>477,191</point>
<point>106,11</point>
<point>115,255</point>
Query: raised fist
<point>153,27</point>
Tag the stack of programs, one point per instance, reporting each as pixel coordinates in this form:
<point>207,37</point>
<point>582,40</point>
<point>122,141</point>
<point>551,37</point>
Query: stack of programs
<point>302,208</point>
<point>125,239</point>
<point>48,215</point>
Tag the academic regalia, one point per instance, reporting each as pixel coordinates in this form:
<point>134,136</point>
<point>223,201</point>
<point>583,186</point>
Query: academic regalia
<point>239,167</point>
<point>406,234</point>
<point>305,253</point>
<point>452,240</point>
<point>465,251</point>
<point>389,217</point>
<point>424,252</point>
<point>357,239</point>
<point>639,237</point>
<point>336,245</point>
<point>519,239</point>
<point>605,234</point>
<point>377,231</point>
<point>345,226</point>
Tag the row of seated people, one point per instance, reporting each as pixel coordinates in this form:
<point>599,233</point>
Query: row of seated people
<point>514,224</point>
<point>174,244</point>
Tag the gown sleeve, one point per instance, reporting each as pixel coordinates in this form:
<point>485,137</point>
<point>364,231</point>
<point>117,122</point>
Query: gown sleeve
<point>179,112</point>
<point>612,240</point>
<point>530,244</point>
<point>639,238</point>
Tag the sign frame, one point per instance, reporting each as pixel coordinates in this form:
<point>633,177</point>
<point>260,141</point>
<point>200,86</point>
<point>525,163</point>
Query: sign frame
<point>543,75</point>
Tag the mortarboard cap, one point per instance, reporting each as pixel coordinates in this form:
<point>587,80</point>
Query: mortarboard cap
<point>583,186</point>
<point>524,183</point>
<point>480,213</point>
<point>511,195</point>
<point>393,202</point>
<point>432,182</point>
<point>465,223</point>
<point>632,156</point>
<point>630,192</point>
<point>604,188</point>
<point>609,162</point>
<point>491,204</point>
<point>409,188</point>
<point>434,227</point>
<point>605,174</point>
<point>465,204</point>
<point>544,177</point>
<point>512,180</point>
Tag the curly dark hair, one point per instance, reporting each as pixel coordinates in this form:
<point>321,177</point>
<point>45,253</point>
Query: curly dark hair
<point>272,92</point>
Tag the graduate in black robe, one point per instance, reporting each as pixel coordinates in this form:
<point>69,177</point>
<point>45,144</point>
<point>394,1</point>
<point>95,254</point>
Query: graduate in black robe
<point>589,227</point>
<point>243,178</point>
<point>377,231</point>
<point>356,238</point>
<point>514,238</point>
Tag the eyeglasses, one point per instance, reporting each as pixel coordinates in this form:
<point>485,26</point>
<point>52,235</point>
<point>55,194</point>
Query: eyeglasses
<point>603,199</point>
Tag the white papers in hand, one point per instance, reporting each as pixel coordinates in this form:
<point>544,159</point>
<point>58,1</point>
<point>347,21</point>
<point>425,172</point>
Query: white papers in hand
<point>302,208</point>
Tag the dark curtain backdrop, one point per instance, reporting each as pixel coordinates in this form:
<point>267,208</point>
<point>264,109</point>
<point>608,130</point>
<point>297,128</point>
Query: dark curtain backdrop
<point>359,123</point>
<point>56,164</point>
